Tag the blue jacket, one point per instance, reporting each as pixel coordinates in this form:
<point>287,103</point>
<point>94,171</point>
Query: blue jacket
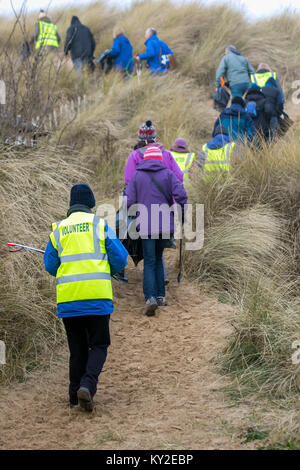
<point>237,122</point>
<point>153,54</point>
<point>122,52</point>
<point>117,257</point>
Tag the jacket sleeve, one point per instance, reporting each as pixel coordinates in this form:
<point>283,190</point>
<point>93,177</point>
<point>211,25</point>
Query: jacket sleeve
<point>115,51</point>
<point>178,192</point>
<point>221,71</point>
<point>131,192</point>
<point>69,38</point>
<point>175,168</point>
<point>150,52</point>
<point>116,252</point>
<point>279,103</point>
<point>250,68</point>
<point>51,259</point>
<point>130,168</point>
<point>280,89</point>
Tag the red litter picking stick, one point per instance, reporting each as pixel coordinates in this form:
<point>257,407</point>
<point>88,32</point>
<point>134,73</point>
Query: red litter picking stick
<point>15,247</point>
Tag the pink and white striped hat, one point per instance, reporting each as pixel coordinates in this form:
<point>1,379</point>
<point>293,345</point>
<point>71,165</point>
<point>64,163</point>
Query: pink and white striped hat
<point>154,153</point>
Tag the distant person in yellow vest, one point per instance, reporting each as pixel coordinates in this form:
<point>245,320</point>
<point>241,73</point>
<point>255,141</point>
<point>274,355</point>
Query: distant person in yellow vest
<point>262,76</point>
<point>83,253</point>
<point>45,34</point>
<point>183,157</point>
<point>216,155</point>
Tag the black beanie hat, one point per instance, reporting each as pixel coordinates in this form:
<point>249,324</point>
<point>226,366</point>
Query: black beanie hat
<point>82,194</point>
<point>238,100</point>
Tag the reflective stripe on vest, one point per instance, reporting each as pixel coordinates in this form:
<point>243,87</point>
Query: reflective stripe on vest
<point>215,161</point>
<point>84,272</point>
<point>184,161</point>
<point>261,78</point>
<point>47,35</point>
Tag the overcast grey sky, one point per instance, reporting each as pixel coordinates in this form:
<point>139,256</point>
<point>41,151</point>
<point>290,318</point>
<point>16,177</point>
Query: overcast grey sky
<point>255,8</point>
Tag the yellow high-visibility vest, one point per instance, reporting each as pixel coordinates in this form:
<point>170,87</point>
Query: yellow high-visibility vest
<point>261,78</point>
<point>47,35</point>
<point>84,272</point>
<point>184,161</point>
<point>218,161</point>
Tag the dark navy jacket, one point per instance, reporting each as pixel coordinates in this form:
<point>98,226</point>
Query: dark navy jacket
<point>117,258</point>
<point>237,122</point>
<point>122,52</point>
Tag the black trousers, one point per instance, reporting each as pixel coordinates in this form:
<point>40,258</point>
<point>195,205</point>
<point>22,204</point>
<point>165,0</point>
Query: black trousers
<point>88,339</point>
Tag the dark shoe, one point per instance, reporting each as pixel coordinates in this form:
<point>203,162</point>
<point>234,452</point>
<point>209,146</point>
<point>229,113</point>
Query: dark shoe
<point>72,405</point>
<point>85,399</point>
<point>150,307</point>
<point>161,301</point>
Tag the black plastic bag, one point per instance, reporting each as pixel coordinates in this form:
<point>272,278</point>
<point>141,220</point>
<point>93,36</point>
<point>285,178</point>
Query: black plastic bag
<point>124,223</point>
<point>221,99</point>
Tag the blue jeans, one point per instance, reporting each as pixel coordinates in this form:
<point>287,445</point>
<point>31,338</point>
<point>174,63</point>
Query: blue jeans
<point>239,89</point>
<point>154,279</point>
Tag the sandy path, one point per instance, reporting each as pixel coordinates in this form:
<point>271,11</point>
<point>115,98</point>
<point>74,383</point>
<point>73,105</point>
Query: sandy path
<point>159,389</point>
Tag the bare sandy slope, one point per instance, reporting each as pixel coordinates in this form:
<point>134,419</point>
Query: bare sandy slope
<point>159,390</point>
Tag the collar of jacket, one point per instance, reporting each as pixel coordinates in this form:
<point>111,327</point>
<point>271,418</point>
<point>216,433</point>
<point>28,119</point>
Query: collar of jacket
<point>152,38</point>
<point>78,208</point>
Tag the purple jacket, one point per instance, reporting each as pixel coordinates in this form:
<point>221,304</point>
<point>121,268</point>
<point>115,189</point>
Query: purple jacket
<point>142,191</point>
<point>137,157</point>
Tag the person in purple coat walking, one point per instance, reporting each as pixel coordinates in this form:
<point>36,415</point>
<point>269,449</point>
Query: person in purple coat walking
<point>153,188</point>
<point>146,139</point>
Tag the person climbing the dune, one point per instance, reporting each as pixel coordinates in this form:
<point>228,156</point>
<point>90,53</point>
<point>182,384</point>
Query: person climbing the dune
<point>237,70</point>
<point>83,253</point>
<point>147,137</point>
<point>153,185</point>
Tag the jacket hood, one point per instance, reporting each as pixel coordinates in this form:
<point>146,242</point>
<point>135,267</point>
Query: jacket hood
<point>151,165</point>
<point>234,50</point>
<point>218,142</point>
<point>75,21</point>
